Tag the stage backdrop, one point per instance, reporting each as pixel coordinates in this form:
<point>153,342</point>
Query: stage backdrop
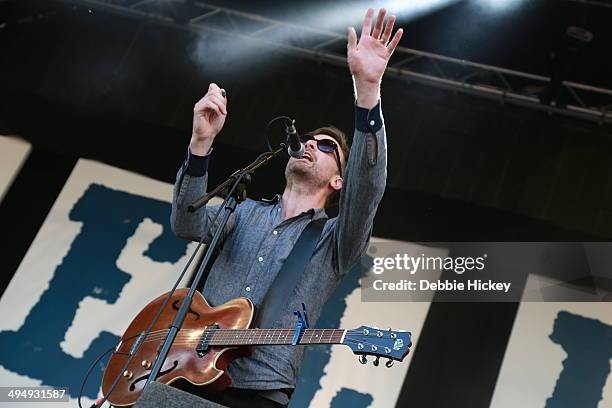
<point>106,249</point>
<point>559,356</point>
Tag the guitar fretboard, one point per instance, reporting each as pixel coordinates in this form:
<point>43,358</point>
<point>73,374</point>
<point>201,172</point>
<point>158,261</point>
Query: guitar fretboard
<point>259,337</point>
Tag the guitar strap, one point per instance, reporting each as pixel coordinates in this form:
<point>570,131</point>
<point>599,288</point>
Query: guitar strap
<point>278,296</point>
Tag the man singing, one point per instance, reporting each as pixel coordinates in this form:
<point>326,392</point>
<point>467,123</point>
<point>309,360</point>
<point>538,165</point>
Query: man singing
<point>260,235</point>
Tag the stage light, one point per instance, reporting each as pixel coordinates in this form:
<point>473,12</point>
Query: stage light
<point>499,5</point>
<point>409,10</point>
<point>334,17</point>
<point>338,15</point>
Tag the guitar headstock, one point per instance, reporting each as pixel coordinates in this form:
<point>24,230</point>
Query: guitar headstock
<point>372,341</point>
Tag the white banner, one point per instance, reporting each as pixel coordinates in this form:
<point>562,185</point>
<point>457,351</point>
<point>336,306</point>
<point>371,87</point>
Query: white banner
<point>105,250</point>
<point>559,356</point>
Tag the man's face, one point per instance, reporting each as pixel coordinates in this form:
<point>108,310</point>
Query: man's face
<point>316,167</point>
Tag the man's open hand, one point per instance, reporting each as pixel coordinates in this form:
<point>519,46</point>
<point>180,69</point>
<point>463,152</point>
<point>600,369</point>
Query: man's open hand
<point>368,57</point>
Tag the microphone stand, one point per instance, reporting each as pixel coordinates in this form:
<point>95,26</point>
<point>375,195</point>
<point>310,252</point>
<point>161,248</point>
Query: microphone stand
<point>236,194</point>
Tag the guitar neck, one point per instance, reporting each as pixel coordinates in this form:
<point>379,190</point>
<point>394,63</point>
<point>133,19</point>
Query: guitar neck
<point>261,337</point>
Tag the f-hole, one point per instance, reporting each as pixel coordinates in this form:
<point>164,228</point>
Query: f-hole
<point>176,304</point>
<point>144,377</point>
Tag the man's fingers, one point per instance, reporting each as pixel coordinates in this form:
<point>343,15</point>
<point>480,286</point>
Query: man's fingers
<point>213,91</point>
<point>212,105</point>
<point>367,23</point>
<point>201,106</point>
<point>213,87</point>
<point>378,27</point>
<point>352,38</point>
<point>217,97</point>
<point>208,96</point>
<point>394,41</point>
<point>388,30</point>
<point>219,101</point>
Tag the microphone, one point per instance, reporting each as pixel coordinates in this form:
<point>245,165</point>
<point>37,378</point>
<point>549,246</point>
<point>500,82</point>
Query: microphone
<point>296,148</point>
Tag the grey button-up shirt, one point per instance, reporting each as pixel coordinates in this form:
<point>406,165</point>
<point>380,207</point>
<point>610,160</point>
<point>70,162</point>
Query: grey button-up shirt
<point>257,240</point>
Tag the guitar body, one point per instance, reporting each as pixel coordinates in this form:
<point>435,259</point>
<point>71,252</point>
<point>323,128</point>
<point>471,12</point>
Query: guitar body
<point>183,365</point>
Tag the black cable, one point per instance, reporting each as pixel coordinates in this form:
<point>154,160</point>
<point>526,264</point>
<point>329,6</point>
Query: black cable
<point>89,372</point>
<point>266,131</point>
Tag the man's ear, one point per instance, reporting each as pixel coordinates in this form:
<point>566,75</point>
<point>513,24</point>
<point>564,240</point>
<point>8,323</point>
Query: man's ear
<point>336,183</point>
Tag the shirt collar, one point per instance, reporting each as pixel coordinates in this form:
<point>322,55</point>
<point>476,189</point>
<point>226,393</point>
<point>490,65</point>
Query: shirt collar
<point>273,200</point>
<point>315,213</point>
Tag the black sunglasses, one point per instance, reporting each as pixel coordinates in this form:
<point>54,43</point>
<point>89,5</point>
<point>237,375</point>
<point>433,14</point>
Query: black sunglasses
<point>326,146</point>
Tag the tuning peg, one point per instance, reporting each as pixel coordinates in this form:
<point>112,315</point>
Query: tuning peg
<point>389,363</point>
<point>376,362</point>
<point>363,359</point>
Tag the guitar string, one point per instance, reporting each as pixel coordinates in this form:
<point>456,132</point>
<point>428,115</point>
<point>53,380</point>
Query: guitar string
<point>335,338</point>
<point>365,343</point>
<point>228,343</point>
<point>213,329</point>
<point>231,334</point>
<point>228,335</point>
<point>239,335</point>
<point>353,340</point>
<point>234,333</point>
<point>190,332</point>
<point>255,341</point>
<point>184,332</point>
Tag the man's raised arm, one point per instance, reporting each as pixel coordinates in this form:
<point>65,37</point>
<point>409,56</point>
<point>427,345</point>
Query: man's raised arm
<point>366,171</point>
<point>209,115</point>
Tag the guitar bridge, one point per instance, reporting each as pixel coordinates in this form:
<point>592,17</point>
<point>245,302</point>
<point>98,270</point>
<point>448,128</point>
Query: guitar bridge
<point>202,347</point>
<point>137,343</point>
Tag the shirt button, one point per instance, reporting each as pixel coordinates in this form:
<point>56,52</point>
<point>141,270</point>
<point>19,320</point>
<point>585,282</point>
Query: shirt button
<point>260,259</point>
<point>275,232</point>
<point>372,123</point>
<point>248,288</point>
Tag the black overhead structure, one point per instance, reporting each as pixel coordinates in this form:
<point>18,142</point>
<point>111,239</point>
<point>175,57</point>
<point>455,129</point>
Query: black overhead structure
<point>496,83</point>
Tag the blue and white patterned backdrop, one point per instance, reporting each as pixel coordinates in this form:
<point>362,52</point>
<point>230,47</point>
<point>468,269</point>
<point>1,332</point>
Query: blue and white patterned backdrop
<point>106,249</point>
<point>559,356</point>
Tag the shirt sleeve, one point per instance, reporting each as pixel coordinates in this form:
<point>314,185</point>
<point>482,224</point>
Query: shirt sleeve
<point>191,183</point>
<point>363,187</point>
<point>368,120</point>
<point>195,165</point>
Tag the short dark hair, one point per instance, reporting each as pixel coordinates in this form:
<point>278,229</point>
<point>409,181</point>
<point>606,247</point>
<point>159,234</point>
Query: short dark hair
<point>340,137</point>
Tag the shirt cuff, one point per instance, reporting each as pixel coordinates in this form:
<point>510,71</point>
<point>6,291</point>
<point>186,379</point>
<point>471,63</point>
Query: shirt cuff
<point>368,120</point>
<point>194,165</point>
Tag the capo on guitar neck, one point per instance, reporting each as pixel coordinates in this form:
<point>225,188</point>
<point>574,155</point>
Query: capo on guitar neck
<point>300,326</point>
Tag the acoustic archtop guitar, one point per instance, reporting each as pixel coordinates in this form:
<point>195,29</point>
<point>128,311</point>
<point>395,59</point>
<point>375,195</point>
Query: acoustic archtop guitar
<point>211,337</point>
